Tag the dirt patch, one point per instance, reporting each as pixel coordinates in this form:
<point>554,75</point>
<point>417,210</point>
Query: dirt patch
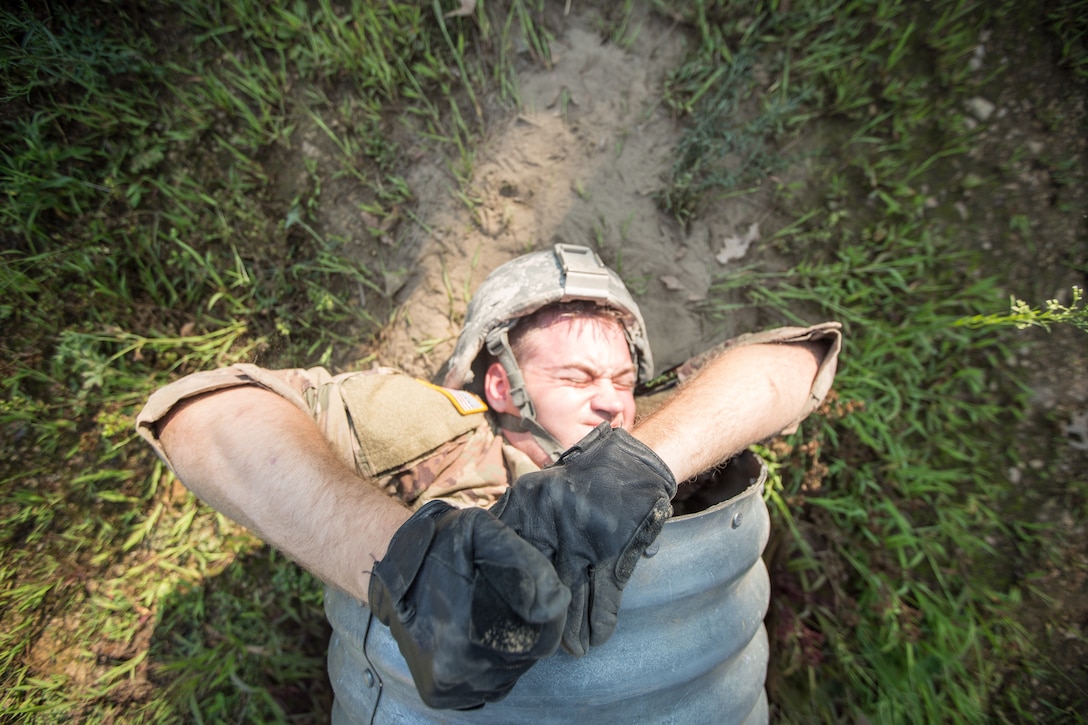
<point>579,164</point>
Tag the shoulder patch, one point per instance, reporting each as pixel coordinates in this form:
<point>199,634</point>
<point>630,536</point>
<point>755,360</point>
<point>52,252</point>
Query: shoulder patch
<point>396,419</point>
<point>465,402</point>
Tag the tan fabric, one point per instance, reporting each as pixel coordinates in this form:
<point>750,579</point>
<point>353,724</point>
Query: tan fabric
<point>829,333</point>
<point>467,471</point>
<point>408,438</point>
<point>295,385</point>
<point>400,433</point>
<point>380,405</point>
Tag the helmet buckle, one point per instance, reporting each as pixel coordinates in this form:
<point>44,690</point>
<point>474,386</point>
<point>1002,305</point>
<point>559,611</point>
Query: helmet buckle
<point>584,276</point>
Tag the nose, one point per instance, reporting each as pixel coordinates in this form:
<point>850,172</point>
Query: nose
<point>608,401</point>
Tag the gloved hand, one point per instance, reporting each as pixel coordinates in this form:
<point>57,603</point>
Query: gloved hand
<point>471,605</point>
<point>593,513</point>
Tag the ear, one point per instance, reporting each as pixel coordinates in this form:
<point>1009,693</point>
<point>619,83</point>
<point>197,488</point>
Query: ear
<point>497,389</point>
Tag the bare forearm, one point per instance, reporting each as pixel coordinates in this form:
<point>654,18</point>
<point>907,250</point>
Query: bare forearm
<point>261,461</point>
<point>744,396</point>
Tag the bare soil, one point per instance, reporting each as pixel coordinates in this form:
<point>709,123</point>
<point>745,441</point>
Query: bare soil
<point>579,164</point>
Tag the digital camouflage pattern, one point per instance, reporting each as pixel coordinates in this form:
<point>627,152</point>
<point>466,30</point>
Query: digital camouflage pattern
<point>524,285</point>
<point>460,459</point>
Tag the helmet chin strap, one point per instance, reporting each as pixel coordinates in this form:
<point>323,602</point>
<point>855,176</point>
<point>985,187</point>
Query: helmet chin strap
<point>498,344</point>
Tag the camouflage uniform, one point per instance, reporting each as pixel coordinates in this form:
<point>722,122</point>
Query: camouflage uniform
<point>416,441</point>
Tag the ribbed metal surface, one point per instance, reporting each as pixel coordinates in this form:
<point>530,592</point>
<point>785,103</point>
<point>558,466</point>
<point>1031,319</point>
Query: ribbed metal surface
<point>690,646</point>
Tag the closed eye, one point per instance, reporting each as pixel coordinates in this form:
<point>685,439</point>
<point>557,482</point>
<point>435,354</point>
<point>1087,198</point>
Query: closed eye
<point>576,378</point>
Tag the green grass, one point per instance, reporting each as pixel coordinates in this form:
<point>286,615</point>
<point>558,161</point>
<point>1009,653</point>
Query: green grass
<point>165,169</point>
<point>892,603</point>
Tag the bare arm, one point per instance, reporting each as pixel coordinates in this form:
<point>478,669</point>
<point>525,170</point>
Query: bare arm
<point>260,460</point>
<point>745,395</point>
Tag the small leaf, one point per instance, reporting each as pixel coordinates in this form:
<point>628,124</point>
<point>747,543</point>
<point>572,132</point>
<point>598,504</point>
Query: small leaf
<point>671,283</point>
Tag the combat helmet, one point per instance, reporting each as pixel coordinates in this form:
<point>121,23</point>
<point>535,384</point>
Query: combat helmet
<point>520,287</point>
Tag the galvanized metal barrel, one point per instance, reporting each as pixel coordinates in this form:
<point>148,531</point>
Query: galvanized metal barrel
<point>689,647</point>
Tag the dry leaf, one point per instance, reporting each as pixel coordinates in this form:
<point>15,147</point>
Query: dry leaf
<point>468,7</point>
<point>735,247</point>
<point>671,283</point>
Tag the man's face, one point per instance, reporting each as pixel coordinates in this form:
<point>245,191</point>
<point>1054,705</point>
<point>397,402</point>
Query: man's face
<point>578,373</point>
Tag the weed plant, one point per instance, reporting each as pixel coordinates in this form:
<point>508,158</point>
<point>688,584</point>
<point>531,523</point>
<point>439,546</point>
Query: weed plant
<point>889,604</point>
<point>1021,315</point>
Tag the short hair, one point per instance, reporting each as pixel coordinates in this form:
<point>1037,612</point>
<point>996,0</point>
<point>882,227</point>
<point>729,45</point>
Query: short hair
<point>550,314</point>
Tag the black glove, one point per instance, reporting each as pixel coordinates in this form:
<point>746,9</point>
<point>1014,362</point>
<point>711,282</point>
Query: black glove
<point>471,605</point>
<point>593,512</point>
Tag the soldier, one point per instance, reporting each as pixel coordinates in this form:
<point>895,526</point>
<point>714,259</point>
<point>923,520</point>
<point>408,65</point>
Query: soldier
<point>489,519</point>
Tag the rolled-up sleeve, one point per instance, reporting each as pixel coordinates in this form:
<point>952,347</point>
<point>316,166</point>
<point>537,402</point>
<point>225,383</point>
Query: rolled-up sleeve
<point>297,385</point>
<point>827,337</point>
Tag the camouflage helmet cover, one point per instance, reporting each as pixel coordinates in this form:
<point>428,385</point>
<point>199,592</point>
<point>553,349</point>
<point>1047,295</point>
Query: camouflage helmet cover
<point>527,283</point>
